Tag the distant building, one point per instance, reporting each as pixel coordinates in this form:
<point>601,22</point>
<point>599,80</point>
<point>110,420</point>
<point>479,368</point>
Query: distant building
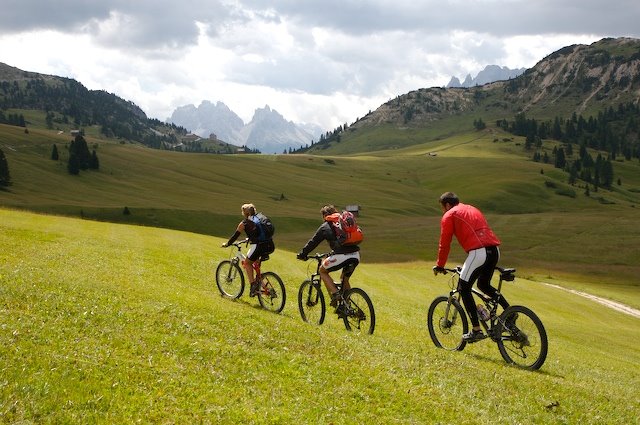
<point>353,209</point>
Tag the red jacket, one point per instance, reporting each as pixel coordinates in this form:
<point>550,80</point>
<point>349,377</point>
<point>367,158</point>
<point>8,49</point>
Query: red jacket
<point>469,226</point>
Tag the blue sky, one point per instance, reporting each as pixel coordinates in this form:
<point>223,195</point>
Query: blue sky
<point>325,62</point>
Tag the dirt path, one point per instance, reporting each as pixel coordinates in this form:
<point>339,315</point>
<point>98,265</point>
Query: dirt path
<point>611,304</point>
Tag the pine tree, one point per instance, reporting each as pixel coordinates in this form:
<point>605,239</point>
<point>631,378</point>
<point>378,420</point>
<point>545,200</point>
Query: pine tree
<point>560,159</point>
<point>5,177</point>
<point>73,166</point>
<point>54,153</point>
<point>79,154</point>
<point>94,163</point>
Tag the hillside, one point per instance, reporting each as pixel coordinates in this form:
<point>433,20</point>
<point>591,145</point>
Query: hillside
<point>549,224</point>
<point>576,80</point>
<point>543,221</point>
<point>105,324</point>
<point>579,79</point>
<point>64,104</point>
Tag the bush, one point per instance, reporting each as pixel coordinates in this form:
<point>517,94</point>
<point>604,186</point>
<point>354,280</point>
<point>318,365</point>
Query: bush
<point>566,192</point>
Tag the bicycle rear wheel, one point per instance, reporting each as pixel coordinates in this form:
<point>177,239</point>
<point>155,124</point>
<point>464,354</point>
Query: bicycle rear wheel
<point>272,294</point>
<point>311,303</point>
<point>229,279</point>
<point>360,316</point>
<point>523,339</point>
<point>447,322</point>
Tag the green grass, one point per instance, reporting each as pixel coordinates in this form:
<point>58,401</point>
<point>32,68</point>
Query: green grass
<point>585,239</point>
<point>110,323</point>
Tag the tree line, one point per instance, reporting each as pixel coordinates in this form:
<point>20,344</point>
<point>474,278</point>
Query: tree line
<point>12,119</point>
<point>65,101</point>
<point>5,176</point>
<point>615,131</point>
<point>325,140</point>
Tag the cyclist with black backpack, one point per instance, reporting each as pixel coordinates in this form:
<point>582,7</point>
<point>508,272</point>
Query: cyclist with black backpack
<point>259,230</point>
<point>345,255</point>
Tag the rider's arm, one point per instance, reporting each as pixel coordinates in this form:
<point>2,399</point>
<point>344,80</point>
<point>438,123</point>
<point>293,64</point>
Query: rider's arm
<point>237,233</point>
<point>318,237</point>
<point>446,235</point>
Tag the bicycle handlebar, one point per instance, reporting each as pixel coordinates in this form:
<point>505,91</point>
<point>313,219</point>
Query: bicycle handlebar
<point>444,270</point>
<point>319,255</point>
<point>458,269</point>
<point>238,243</point>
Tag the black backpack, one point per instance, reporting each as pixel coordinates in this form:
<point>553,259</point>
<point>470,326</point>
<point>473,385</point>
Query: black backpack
<point>265,227</point>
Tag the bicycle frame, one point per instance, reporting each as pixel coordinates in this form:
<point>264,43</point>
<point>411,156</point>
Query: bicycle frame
<point>506,274</point>
<point>524,343</point>
<point>315,277</point>
<point>239,258</point>
<point>267,286</point>
<point>354,306</point>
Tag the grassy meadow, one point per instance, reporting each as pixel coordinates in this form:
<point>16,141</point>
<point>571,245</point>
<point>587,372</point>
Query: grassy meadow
<point>114,323</point>
<point>114,318</point>
<point>549,229</point>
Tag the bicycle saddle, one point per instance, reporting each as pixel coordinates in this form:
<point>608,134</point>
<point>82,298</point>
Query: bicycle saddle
<point>507,274</point>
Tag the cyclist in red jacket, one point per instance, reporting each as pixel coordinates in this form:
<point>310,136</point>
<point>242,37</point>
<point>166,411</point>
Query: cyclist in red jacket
<point>475,236</point>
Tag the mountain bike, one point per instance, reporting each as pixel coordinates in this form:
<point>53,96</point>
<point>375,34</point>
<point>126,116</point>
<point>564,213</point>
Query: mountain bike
<point>230,280</point>
<point>355,306</point>
<point>518,331</point>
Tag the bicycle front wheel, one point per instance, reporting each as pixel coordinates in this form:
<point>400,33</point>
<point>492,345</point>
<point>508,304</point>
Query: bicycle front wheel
<point>523,339</point>
<point>359,316</point>
<point>447,322</point>
<point>311,303</point>
<point>230,279</point>
<point>272,294</point>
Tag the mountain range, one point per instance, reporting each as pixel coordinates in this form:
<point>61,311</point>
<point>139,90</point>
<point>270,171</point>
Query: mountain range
<point>268,131</point>
<point>489,74</point>
<point>578,79</point>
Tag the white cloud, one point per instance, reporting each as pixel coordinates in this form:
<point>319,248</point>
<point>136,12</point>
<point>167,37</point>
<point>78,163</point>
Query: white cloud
<point>326,62</point>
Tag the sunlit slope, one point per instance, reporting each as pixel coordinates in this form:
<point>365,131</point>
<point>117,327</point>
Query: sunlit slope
<point>541,227</point>
<point>105,323</point>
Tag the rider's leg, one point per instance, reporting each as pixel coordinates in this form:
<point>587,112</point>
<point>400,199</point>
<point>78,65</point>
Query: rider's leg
<point>328,280</point>
<point>331,287</point>
<point>471,268</point>
<point>347,271</point>
<point>485,286</point>
<point>252,256</point>
<point>486,274</point>
<point>345,281</point>
<point>248,268</point>
<point>469,303</point>
<point>346,262</point>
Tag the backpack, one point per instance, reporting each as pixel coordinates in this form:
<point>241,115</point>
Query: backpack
<point>345,228</point>
<point>265,227</point>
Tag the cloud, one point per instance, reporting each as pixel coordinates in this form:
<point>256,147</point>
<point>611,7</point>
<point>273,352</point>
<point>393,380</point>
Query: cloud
<point>64,15</point>
<point>327,62</point>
